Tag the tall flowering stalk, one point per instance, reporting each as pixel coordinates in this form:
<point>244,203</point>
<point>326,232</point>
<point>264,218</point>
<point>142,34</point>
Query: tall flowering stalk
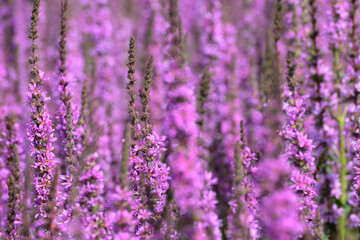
<point>354,67</point>
<point>209,202</point>
<point>5,173</point>
<point>250,68</point>
<point>243,223</point>
<point>90,178</point>
<point>219,53</point>
<point>11,232</point>
<point>122,199</point>
<point>338,28</point>
<point>65,115</point>
<point>40,131</point>
<point>10,88</point>
<point>130,86</point>
<point>98,30</point>
<point>188,179</point>
<point>270,100</point>
<point>323,130</point>
<point>14,182</point>
<point>357,160</point>
<point>299,147</point>
<point>353,72</point>
<point>147,174</point>
<point>149,182</point>
<point>273,79</point>
<point>316,76</point>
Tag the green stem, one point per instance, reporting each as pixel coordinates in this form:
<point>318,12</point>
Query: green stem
<point>343,180</point>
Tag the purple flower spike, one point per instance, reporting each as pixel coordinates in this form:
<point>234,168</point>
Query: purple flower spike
<point>299,147</point>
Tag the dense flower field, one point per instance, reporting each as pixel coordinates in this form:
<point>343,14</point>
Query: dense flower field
<point>190,119</point>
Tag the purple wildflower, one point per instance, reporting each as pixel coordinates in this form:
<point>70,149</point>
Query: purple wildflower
<point>91,199</point>
<point>299,147</point>
<point>41,137</point>
<point>187,172</point>
<point>121,215</point>
<point>243,222</point>
<point>40,131</point>
<point>149,181</point>
<point>278,210</point>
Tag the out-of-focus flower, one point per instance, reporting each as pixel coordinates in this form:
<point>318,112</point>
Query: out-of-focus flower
<point>279,209</point>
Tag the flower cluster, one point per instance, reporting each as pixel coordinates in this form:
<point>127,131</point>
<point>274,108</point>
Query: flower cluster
<point>91,199</point>
<point>121,215</point>
<point>41,136</point>
<point>149,181</point>
<point>243,220</point>
<point>299,147</point>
